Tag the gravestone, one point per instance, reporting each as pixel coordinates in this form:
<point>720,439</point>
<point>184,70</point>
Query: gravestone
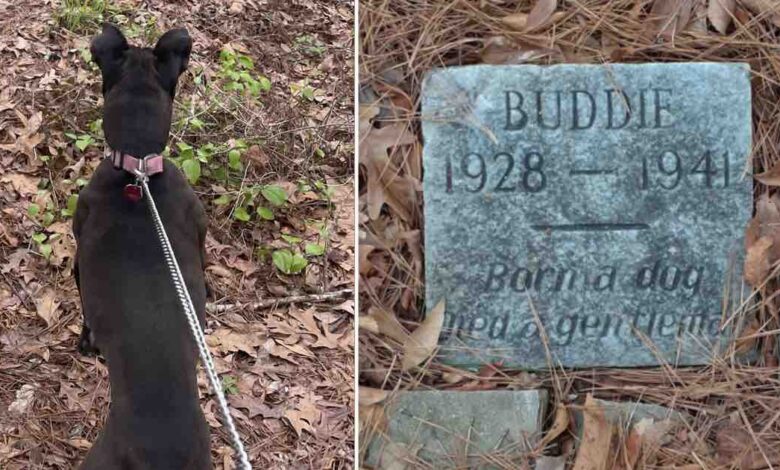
<point>587,215</point>
<point>455,429</point>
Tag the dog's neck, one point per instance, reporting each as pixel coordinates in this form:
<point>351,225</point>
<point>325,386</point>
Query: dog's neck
<point>137,123</point>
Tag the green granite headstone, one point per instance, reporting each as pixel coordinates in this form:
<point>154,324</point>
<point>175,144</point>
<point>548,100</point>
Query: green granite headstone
<point>603,205</point>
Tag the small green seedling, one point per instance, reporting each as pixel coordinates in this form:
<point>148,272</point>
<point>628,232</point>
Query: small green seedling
<point>288,262</point>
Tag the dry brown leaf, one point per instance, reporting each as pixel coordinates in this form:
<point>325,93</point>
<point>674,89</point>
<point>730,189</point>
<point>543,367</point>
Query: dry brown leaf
<point>22,400</point>
<point>669,17</point>
<point>771,177</point>
<point>46,306</point>
<point>771,8</point>
<point>371,396</point>
<point>560,424</point>
<point>594,449</point>
<point>22,184</point>
<point>540,13</point>
<point>720,13</point>
<point>422,342</point>
<point>384,183</point>
<point>226,341</point>
<point>516,21</point>
<point>757,261</point>
<point>387,324</point>
<point>304,416</point>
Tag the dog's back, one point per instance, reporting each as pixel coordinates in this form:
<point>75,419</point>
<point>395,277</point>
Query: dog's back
<point>131,310</point>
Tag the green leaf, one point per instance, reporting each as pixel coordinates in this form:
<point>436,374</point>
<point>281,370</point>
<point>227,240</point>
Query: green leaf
<point>265,83</point>
<point>276,195</point>
<point>299,263</point>
<point>245,62</point>
<point>234,159</point>
<point>48,218</point>
<point>283,260</point>
<point>197,124</point>
<point>265,213</point>
<point>45,250</point>
<point>229,385</point>
<point>39,237</point>
<point>292,240</point>
<point>241,214</point>
<point>81,182</point>
<point>315,249</point>
<point>83,142</point>
<point>289,263</point>
<point>191,169</point>
<point>33,210</point>
<point>222,200</point>
<point>308,93</point>
<point>73,200</point>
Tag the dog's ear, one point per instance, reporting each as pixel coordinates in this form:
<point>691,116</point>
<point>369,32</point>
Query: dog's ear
<point>172,53</point>
<point>108,49</point>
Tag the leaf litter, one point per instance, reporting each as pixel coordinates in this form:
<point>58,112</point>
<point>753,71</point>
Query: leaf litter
<point>730,407</point>
<point>287,366</point>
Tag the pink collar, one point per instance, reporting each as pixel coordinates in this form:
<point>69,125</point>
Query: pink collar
<point>149,165</point>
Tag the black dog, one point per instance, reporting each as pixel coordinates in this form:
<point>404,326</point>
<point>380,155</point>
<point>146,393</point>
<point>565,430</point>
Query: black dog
<point>131,312</point>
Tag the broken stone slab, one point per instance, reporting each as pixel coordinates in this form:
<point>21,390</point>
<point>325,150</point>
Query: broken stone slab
<point>449,429</point>
<point>585,215</point>
<point>627,414</point>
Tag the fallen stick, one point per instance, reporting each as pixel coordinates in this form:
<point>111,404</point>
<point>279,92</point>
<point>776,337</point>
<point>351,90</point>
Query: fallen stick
<point>213,308</point>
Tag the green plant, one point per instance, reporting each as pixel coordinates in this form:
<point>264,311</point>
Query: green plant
<point>236,71</point>
<point>229,384</point>
<point>81,16</point>
<point>309,45</point>
<point>81,141</point>
<point>255,199</point>
<point>289,262</point>
<point>40,240</point>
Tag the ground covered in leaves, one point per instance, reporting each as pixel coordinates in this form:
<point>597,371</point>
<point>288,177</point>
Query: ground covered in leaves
<point>730,408</point>
<point>263,129</point>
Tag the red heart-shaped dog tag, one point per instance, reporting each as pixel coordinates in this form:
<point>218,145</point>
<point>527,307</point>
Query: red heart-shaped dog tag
<point>133,192</point>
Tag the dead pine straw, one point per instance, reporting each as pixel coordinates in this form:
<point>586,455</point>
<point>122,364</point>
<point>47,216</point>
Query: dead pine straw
<point>733,418</point>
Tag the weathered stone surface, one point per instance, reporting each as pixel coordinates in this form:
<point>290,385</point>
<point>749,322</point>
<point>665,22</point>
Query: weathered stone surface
<point>628,414</point>
<point>447,429</point>
<point>613,229</point>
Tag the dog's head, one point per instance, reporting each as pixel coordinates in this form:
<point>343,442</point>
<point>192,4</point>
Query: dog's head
<point>139,84</point>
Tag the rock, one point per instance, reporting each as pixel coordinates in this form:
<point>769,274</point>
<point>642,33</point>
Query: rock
<point>448,429</point>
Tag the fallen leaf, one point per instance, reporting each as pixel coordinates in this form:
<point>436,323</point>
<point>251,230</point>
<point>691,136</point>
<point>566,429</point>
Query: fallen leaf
<point>720,13</point>
<point>254,406</point>
<point>769,8</point>
<point>516,21</point>
<point>23,400</point>
<point>46,306</point>
<point>304,416</point>
<point>22,184</point>
<point>370,396</point>
<point>593,452</point>
<point>384,184</point>
<point>382,322</point>
<point>540,13</point>
<point>560,424</point>
<point>770,177</point>
<point>669,17</point>
<point>757,261</point>
<point>226,341</point>
<point>422,342</point>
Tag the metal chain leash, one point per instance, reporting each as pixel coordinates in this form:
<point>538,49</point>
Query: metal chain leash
<point>192,319</point>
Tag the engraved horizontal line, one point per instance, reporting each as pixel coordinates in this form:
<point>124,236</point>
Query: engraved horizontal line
<point>592,227</point>
<point>575,172</point>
